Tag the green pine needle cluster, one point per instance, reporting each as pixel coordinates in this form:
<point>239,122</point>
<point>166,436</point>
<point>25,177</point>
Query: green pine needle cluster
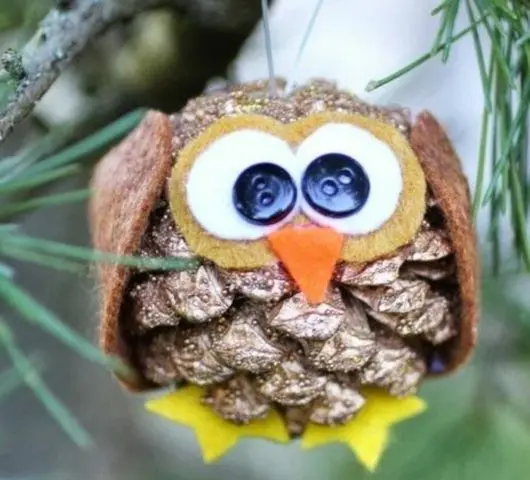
<point>20,176</point>
<point>504,147</point>
<point>478,428</point>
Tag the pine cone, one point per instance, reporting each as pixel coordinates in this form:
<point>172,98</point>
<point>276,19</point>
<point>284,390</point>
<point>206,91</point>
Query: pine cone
<point>372,330</point>
<point>249,335</point>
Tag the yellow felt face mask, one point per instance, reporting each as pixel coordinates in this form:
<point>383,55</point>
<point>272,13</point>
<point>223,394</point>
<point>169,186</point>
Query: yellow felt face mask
<point>397,184</point>
<point>316,163</point>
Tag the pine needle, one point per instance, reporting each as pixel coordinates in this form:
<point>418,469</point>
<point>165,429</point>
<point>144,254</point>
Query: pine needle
<point>483,148</point>
<point>87,255</point>
<point>90,144</point>
<point>50,143</point>
<point>375,84</point>
<point>26,255</point>
<point>484,77</point>
<point>10,209</point>
<point>37,180</point>
<point>20,174</point>
<point>10,380</point>
<point>33,380</point>
<point>449,11</point>
<point>504,125</point>
<point>511,141</point>
<point>32,311</point>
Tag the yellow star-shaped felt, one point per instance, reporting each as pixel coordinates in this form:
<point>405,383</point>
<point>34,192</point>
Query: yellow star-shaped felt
<point>367,434</point>
<point>215,435</point>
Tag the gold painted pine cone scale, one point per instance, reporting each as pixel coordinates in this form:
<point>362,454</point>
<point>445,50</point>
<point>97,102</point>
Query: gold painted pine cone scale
<point>254,343</point>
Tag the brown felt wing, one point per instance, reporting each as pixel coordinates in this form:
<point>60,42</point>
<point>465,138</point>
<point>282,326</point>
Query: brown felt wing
<point>127,183</point>
<point>449,186</point>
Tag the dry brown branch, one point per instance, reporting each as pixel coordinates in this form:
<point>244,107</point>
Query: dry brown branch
<point>66,30</point>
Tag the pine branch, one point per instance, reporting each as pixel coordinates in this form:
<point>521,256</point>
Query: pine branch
<point>66,30</point>
<point>40,165</point>
<point>505,140</point>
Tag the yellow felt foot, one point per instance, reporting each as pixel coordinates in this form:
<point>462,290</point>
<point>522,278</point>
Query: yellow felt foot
<point>367,434</point>
<point>215,435</point>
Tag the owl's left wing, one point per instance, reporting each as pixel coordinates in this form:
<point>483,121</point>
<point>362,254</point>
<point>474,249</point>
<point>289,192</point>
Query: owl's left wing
<point>126,185</point>
<point>444,174</point>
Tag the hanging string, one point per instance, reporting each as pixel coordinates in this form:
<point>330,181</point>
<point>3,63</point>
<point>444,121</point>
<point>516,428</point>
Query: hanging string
<point>305,39</point>
<point>273,90</point>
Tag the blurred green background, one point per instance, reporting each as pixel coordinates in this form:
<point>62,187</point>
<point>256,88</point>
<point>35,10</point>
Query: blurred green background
<point>62,416</point>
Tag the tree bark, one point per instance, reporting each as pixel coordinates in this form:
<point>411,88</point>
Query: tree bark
<point>67,29</point>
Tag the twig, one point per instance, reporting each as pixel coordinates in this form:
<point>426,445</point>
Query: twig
<point>375,84</point>
<point>65,32</point>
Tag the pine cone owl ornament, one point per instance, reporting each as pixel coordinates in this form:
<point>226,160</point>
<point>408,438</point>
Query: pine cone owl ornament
<point>331,264</point>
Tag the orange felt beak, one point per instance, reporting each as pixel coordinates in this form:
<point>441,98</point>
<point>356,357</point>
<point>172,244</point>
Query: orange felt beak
<point>309,254</point>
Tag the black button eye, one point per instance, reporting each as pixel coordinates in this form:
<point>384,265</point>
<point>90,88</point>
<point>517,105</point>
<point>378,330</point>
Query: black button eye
<point>264,194</point>
<point>335,185</point>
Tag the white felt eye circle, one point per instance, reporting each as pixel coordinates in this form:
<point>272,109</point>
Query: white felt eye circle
<point>242,186</point>
<point>351,179</point>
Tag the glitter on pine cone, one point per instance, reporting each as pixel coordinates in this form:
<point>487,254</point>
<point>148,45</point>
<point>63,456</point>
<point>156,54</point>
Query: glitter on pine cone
<point>251,339</point>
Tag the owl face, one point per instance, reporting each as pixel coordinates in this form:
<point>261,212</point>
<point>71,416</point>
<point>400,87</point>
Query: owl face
<point>252,190</point>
